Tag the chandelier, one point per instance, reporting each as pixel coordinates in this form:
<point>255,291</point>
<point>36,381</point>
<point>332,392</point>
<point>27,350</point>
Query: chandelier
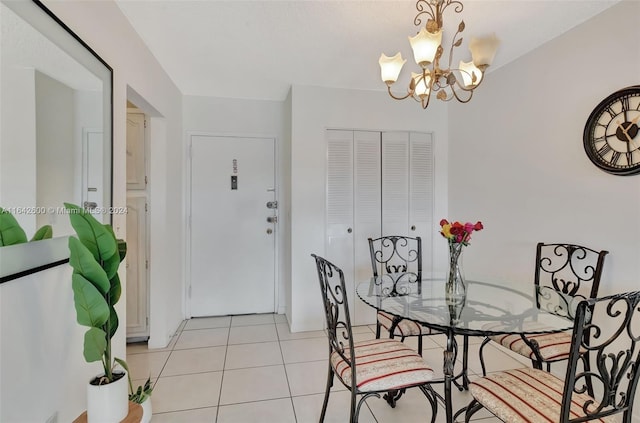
<point>447,83</point>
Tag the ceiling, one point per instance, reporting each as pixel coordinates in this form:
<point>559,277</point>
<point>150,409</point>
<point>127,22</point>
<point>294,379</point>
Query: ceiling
<point>258,49</point>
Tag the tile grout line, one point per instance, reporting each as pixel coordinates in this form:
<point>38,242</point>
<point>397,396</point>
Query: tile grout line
<point>224,364</point>
<point>286,375</point>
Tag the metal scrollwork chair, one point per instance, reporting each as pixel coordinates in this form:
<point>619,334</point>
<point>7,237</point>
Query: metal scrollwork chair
<point>607,330</point>
<point>369,367</point>
<point>401,258</point>
<point>565,274</point>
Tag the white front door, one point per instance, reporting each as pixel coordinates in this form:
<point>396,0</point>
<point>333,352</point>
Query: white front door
<point>232,245</point>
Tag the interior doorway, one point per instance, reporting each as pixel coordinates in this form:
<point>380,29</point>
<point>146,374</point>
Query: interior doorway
<point>137,225</point>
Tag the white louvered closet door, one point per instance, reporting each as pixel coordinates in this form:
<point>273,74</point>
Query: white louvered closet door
<point>339,207</point>
<point>407,189</point>
<point>395,183</point>
<point>378,183</point>
<point>421,196</point>
<point>367,194</point>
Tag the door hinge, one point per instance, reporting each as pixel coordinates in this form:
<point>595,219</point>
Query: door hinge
<point>145,123</point>
<point>146,207</point>
<point>189,291</point>
<point>146,264</point>
<point>145,180</point>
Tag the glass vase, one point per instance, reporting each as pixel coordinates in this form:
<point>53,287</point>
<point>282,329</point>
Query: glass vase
<point>456,290</point>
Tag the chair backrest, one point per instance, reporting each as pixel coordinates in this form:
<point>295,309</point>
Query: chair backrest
<point>397,261</point>
<point>606,333</point>
<point>396,254</point>
<point>573,271</point>
<point>336,310</point>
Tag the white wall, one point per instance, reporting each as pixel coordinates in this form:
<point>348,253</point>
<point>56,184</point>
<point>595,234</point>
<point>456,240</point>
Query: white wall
<point>518,162</point>
<point>314,110</point>
<point>520,165</point>
<point>224,116</point>
<point>41,345</point>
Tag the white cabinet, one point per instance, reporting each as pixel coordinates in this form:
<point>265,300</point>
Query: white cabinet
<point>137,228</point>
<point>137,267</point>
<point>378,183</point>
<point>136,151</point>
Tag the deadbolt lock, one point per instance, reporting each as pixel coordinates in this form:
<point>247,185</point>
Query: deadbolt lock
<point>272,204</point>
<point>272,219</point>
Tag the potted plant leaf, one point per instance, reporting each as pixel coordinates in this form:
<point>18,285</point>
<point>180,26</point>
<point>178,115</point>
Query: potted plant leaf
<point>11,233</point>
<point>95,256</point>
<point>142,395</point>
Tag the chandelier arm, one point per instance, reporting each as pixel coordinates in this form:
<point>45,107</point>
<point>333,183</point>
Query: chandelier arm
<point>409,94</point>
<point>457,9</point>
<point>473,87</point>
<point>461,99</point>
<point>455,43</point>
<point>422,100</point>
<point>420,6</point>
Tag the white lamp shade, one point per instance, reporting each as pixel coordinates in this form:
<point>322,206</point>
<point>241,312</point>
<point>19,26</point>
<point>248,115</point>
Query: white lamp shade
<point>390,67</point>
<point>422,84</point>
<point>483,50</point>
<point>424,46</point>
<point>467,70</point>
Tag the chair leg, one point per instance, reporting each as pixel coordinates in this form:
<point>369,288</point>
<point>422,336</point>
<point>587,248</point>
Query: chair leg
<point>485,341</point>
<point>465,363</point>
<point>420,344</point>
<point>353,415</point>
<point>473,407</point>
<point>356,408</point>
<point>378,329</point>
<point>326,393</point>
<point>548,367</point>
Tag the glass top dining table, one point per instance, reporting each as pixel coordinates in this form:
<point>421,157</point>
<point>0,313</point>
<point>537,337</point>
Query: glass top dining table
<point>487,309</point>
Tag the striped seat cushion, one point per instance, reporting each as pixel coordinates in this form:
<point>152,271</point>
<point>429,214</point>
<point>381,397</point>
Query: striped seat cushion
<point>404,328</point>
<point>527,396</point>
<point>552,346</point>
<point>383,364</point>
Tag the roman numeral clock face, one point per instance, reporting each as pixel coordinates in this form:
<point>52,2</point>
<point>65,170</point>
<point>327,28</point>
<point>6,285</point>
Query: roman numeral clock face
<point>611,135</point>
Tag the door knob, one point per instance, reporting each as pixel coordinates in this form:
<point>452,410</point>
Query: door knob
<point>272,219</point>
<point>269,231</point>
<point>413,227</point>
<point>349,230</point>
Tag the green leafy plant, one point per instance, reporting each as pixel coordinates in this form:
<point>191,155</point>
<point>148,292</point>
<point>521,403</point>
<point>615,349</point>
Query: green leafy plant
<point>11,233</point>
<point>143,392</point>
<point>95,256</point>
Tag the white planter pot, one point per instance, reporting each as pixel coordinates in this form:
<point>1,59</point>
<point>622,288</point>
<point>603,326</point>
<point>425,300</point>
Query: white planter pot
<point>108,403</point>
<point>146,411</point>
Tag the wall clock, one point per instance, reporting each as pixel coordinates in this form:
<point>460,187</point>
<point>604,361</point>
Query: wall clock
<point>611,136</point>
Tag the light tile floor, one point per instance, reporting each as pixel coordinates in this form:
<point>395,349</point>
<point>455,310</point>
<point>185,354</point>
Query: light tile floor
<point>250,369</point>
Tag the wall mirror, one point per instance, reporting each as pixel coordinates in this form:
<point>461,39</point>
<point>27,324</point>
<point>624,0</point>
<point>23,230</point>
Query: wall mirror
<point>55,132</point>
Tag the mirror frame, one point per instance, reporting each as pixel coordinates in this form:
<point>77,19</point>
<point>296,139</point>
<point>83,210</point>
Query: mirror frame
<point>20,260</point>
